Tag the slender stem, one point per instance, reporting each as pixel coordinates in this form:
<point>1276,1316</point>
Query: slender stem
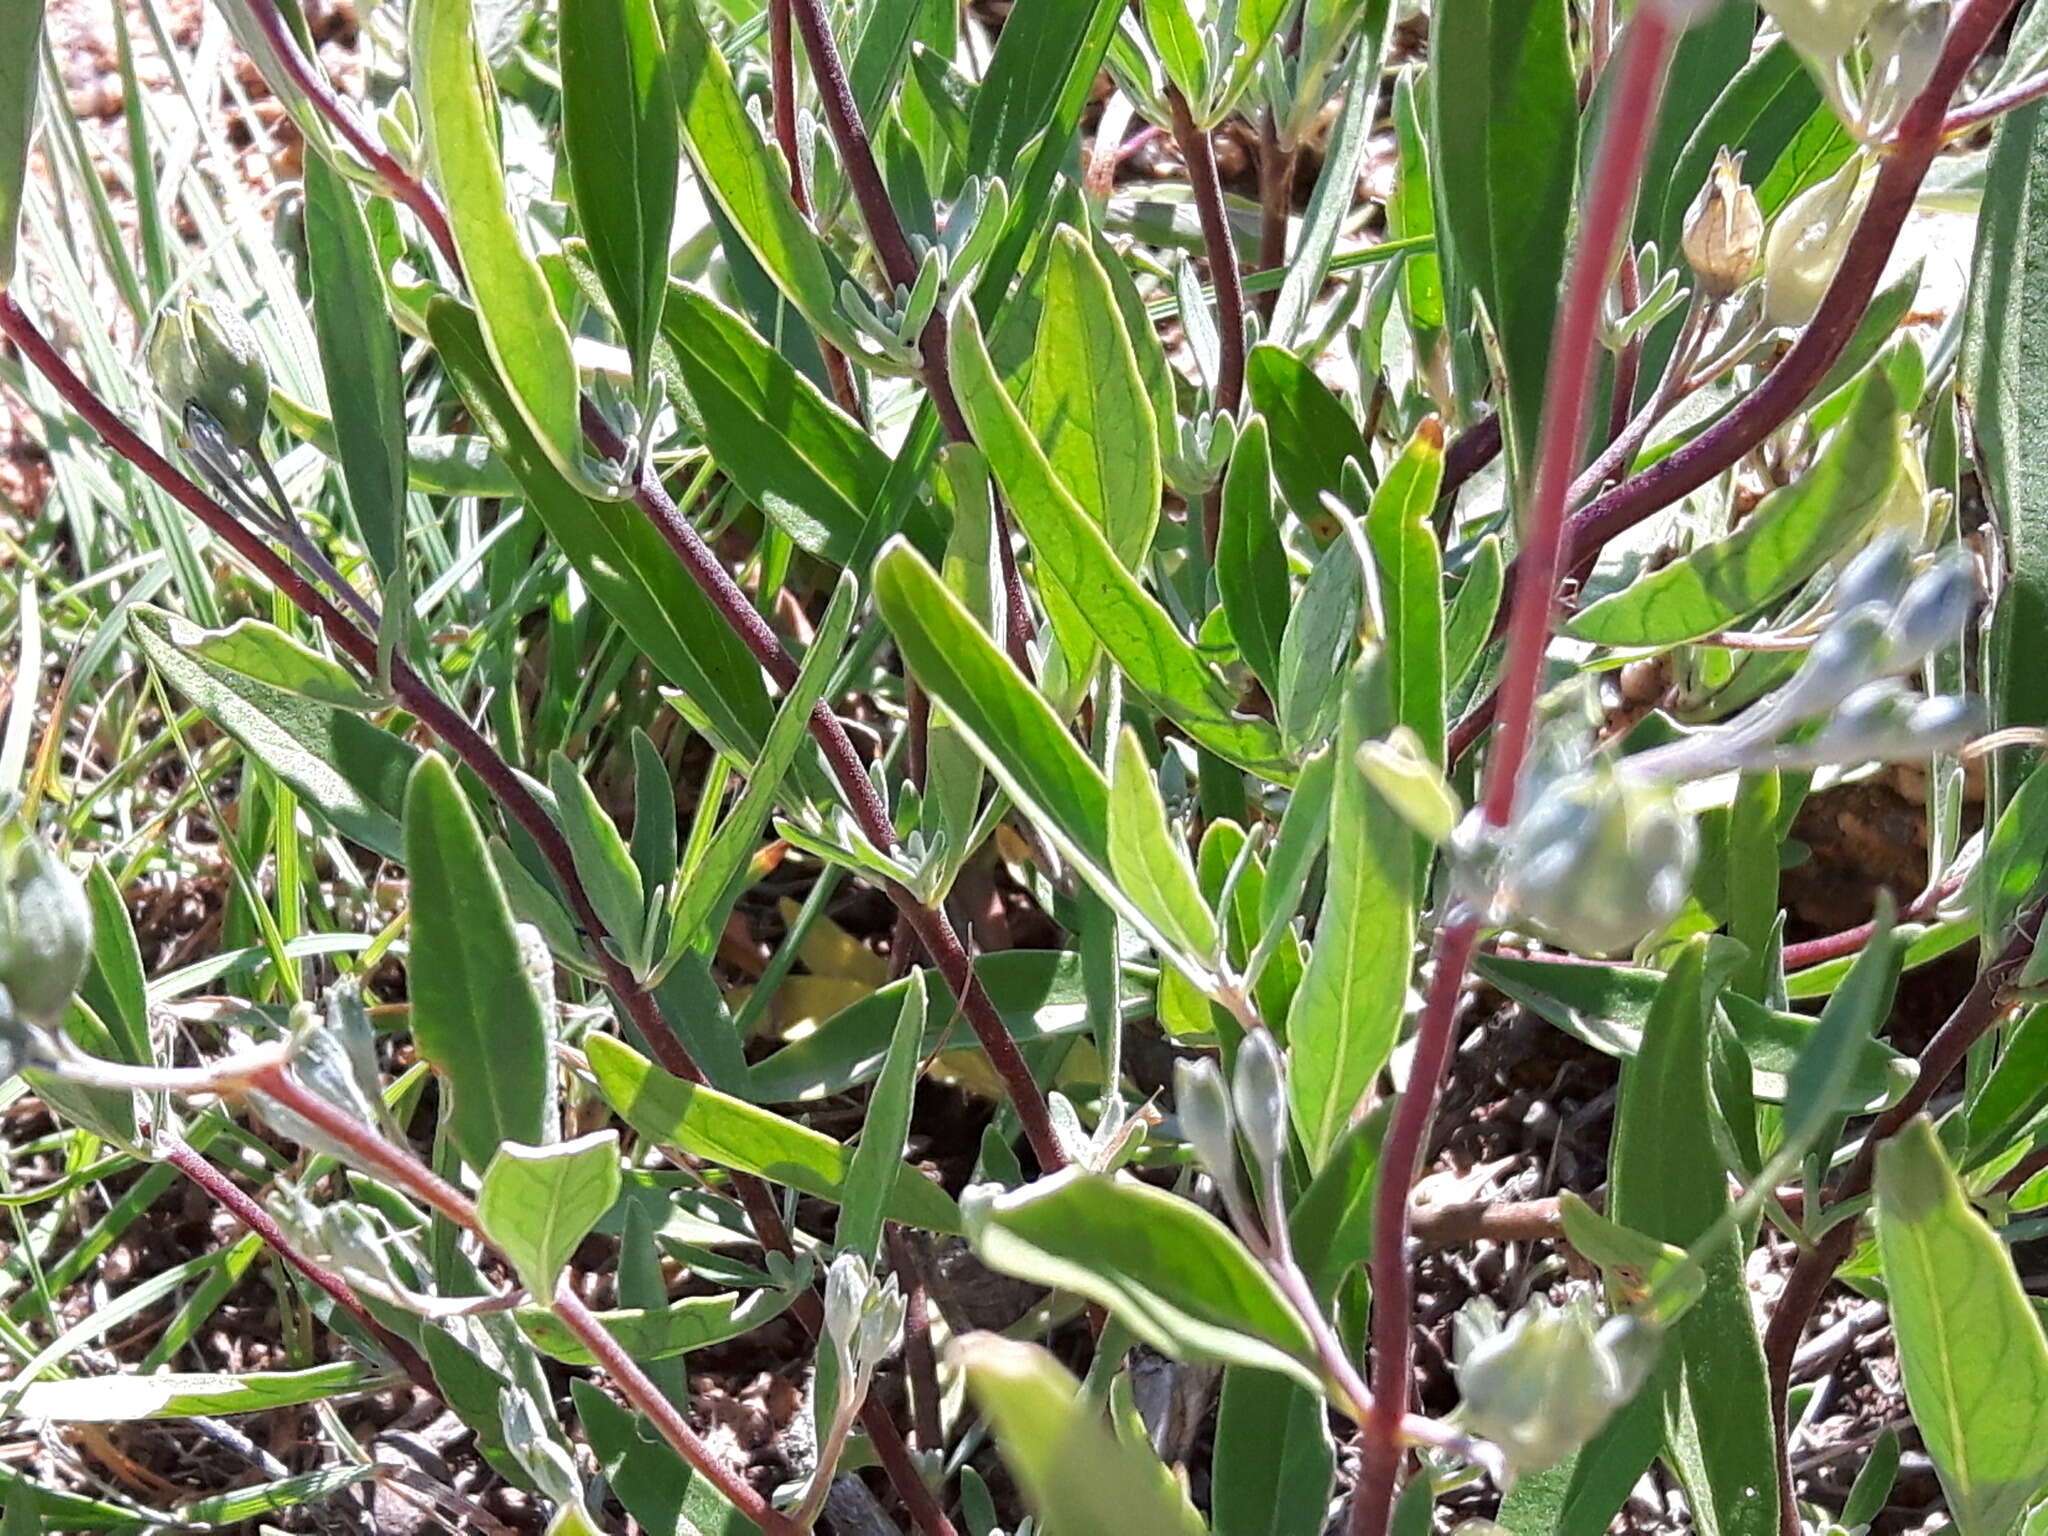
<point>1808,1282</point>
<point>782,97</point>
<point>1628,364</point>
<point>413,692</point>
<point>1981,111</point>
<point>229,1196</point>
<point>1629,437</point>
<point>418,1180</point>
<point>1470,452</point>
<point>1200,157</point>
<point>1276,202</point>
<point>1641,61</point>
<point>1834,946</point>
<point>932,927</point>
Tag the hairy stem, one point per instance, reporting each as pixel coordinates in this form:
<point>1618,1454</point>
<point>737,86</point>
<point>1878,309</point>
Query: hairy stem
<point>1641,62</point>
<point>418,1180</point>
<point>228,1195</point>
<point>1276,202</point>
<point>1199,155</point>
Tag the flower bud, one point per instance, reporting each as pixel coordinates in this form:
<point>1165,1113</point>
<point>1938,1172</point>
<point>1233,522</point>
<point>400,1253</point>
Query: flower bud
<point>1871,722</point>
<point>1933,611</point>
<point>1878,573</point>
<point>1724,229</point>
<point>1203,1107</point>
<point>1945,722</point>
<point>1546,1383</point>
<point>1821,29</point>
<point>1259,1089</point>
<point>45,932</point>
<point>206,357</point>
<point>1905,38</point>
<point>1599,862</point>
<point>1806,245</point>
<point>1848,654</point>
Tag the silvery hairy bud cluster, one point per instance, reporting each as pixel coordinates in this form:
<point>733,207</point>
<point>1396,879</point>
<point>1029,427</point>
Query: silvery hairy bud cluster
<point>1807,242</point>
<point>1724,229</point>
<point>1547,1380</point>
<point>204,357</point>
<point>1596,861</point>
<point>864,1320</point>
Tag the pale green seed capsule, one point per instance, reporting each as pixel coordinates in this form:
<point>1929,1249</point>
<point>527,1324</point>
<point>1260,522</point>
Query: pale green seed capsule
<point>207,357</point>
<point>1599,863</point>
<point>1544,1384</point>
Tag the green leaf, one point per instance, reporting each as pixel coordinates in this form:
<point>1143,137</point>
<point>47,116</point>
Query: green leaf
<point>1791,534</point>
<point>359,361</point>
<point>1404,548</point>
<point>2015,862</point>
<point>1824,1074</point>
<point>527,342</point>
<point>871,1173</point>
<point>1252,574</point>
<point>774,434</point>
<point>1970,1347</point>
<point>659,1333</point>
<point>21,57</point>
<point>618,553</point>
<point>1411,212</point>
<point>1608,1007</point>
<point>121,1399</point>
<point>1008,722</point>
<point>475,1015</point>
<point>1330,205</point>
<point>1348,1010</point>
<point>603,862</point>
<point>654,813</point>
<point>539,1203</point>
<point>1505,114</point>
<point>1468,624</point>
<point>2006,392</point>
<point>655,1485</point>
<point>116,989</point>
<point>728,1131</point>
<point>1037,80</point>
<point>1717,1415</point>
<point>1148,859</point>
<point>1168,1270</point>
<point>1173,33</point>
<point>1331,1224</point>
<point>265,654</point>
<point>340,765</point>
<point>620,137</point>
<point>746,180</point>
<point>1758,114</point>
<point>1076,1473</point>
<point>1271,1472</point>
<point>1312,434</point>
<point>1072,551</point>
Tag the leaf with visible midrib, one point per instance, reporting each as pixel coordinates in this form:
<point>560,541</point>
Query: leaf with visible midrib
<point>474,1013</point>
<point>1970,1347</point>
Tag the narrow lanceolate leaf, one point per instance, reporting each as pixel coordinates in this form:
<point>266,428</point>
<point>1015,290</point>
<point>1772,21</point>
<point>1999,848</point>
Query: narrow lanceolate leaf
<point>2006,390</point>
<point>1251,561</point>
<point>1970,1344</point>
<point>1412,583</point>
<point>1792,533</point>
<point>1271,1472</point>
<point>617,552</point>
<point>539,1203</point>
<point>121,1399</point>
<point>731,1132</point>
<point>1073,552</point>
<point>1075,1472</point>
<point>1505,109</point>
<point>1711,1381</point>
<point>526,337</point>
<point>1012,728</point>
<point>1148,858</point>
<point>359,359</point>
<point>21,56</point>
<point>474,1013</point>
<point>1341,1028</point>
<point>1168,1270</point>
<point>871,1175</point>
<point>603,861</point>
<point>343,767</point>
<point>620,137</point>
<point>659,1333</point>
<point>794,453</point>
<point>265,654</point>
<point>747,182</point>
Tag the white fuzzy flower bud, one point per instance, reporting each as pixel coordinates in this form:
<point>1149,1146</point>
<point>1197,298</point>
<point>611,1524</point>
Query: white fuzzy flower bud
<point>1599,862</point>
<point>1547,1382</point>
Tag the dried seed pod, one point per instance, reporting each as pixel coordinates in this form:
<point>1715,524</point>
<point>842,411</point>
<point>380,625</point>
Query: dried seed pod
<point>1724,229</point>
